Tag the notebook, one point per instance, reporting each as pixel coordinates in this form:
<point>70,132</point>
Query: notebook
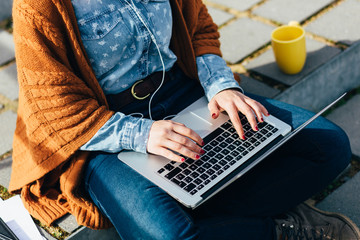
<point>226,157</point>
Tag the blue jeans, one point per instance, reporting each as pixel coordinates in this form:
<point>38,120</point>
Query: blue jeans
<point>244,210</point>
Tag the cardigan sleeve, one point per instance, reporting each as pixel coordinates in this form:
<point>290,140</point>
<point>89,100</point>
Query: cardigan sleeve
<point>205,38</point>
<point>58,110</point>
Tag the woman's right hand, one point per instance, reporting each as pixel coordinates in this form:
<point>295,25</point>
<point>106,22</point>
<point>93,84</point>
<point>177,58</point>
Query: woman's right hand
<point>167,136</point>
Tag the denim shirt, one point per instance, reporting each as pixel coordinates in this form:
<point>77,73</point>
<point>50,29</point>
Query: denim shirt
<point>121,52</point>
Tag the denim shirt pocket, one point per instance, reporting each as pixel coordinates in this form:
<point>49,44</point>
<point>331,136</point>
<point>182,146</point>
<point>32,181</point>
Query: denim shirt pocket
<point>106,38</point>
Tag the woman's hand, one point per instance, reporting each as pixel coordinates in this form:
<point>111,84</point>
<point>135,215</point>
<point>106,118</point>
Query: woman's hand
<point>233,102</point>
<point>167,136</point>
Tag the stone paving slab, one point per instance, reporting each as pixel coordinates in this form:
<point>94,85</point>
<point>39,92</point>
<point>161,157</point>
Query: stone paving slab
<point>89,234</point>
<point>7,47</point>
<point>68,223</point>
<point>254,86</point>
<point>318,53</point>
<point>7,119</point>
<point>348,118</point>
<point>5,171</point>
<point>284,11</point>
<point>9,86</point>
<point>326,83</point>
<point>240,5</point>
<point>5,9</point>
<point>242,37</point>
<point>341,24</point>
<point>220,17</point>
<point>345,200</point>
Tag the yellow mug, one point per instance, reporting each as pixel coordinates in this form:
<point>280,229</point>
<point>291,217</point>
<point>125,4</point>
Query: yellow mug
<point>288,44</point>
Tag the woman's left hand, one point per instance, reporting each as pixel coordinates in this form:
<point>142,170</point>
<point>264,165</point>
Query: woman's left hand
<point>233,102</point>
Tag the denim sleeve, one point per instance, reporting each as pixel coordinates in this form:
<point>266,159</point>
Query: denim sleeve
<point>215,75</point>
<point>121,132</point>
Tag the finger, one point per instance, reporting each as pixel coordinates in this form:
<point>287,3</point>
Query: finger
<point>170,155</point>
<point>249,114</point>
<point>214,109</point>
<point>183,150</point>
<point>258,109</point>
<point>186,142</point>
<point>235,119</point>
<point>187,132</point>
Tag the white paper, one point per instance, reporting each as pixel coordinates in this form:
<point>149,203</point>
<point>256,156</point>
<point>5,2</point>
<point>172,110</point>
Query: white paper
<point>14,214</point>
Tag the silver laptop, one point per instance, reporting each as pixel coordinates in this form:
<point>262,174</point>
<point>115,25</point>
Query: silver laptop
<point>226,157</point>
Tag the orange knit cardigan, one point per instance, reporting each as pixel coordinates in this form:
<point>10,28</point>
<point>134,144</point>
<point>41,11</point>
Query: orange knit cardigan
<point>61,105</point>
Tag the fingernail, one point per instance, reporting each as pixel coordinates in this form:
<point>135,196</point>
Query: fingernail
<point>213,115</point>
<point>243,137</point>
<point>261,119</point>
<point>202,143</point>
<point>256,128</point>
<point>182,159</point>
<point>197,157</point>
<point>267,114</point>
<point>202,151</point>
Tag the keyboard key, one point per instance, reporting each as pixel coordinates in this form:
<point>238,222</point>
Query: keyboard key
<point>262,125</point>
<point>220,172</point>
<point>188,179</point>
<point>173,173</point>
<point>161,170</point>
<point>207,165</point>
<point>219,156</point>
<point>214,143</point>
<point>208,147</point>
<point>217,149</point>
<point>270,127</point>
<point>210,172</point>
<point>237,143</point>
<point>274,130</point>
<point>231,147</point>
<point>249,134</point>
<point>220,139</point>
<point>169,167</point>
<point>213,177</point>
<point>256,144</point>
<point>180,176</point>
<point>216,167</point>
<point>198,181</point>
<point>229,140</point>
<point>238,158</point>
<point>201,170</point>
<point>232,162</point>
<point>183,165</point>
<point>252,140</point>
<point>225,151</point>
<point>194,175</point>
<point>200,187</point>
<point>226,125</point>
<point>189,161</point>
<point>262,139</point>
<point>246,144</point>
<point>244,153</point>
<point>240,149</point>
<point>204,176</point>
<point>226,167</point>
<point>246,127</point>
<point>213,161</point>
<point>228,158</point>
<point>205,158</point>
<point>207,182</point>
<point>251,148</point>
<point>189,187</point>
<point>213,135</point>
<point>235,136</point>
<point>269,134</point>
<point>199,163</point>
<point>264,131</point>
<point>186,172</point>
<point>193,167</point>
<point>211,153</point>
<point>193,192</point>
<point>235,153</point>
<point>222,162</point>
<point>223,145</point>
<point>232,130</point>
<point>258,135</point>
<point>226,134</point>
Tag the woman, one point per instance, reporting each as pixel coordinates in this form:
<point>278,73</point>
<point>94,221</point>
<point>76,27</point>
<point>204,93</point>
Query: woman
<point>91,84</point>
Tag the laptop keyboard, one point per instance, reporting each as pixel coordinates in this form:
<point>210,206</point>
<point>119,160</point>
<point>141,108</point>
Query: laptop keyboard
<point>223,148</point>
